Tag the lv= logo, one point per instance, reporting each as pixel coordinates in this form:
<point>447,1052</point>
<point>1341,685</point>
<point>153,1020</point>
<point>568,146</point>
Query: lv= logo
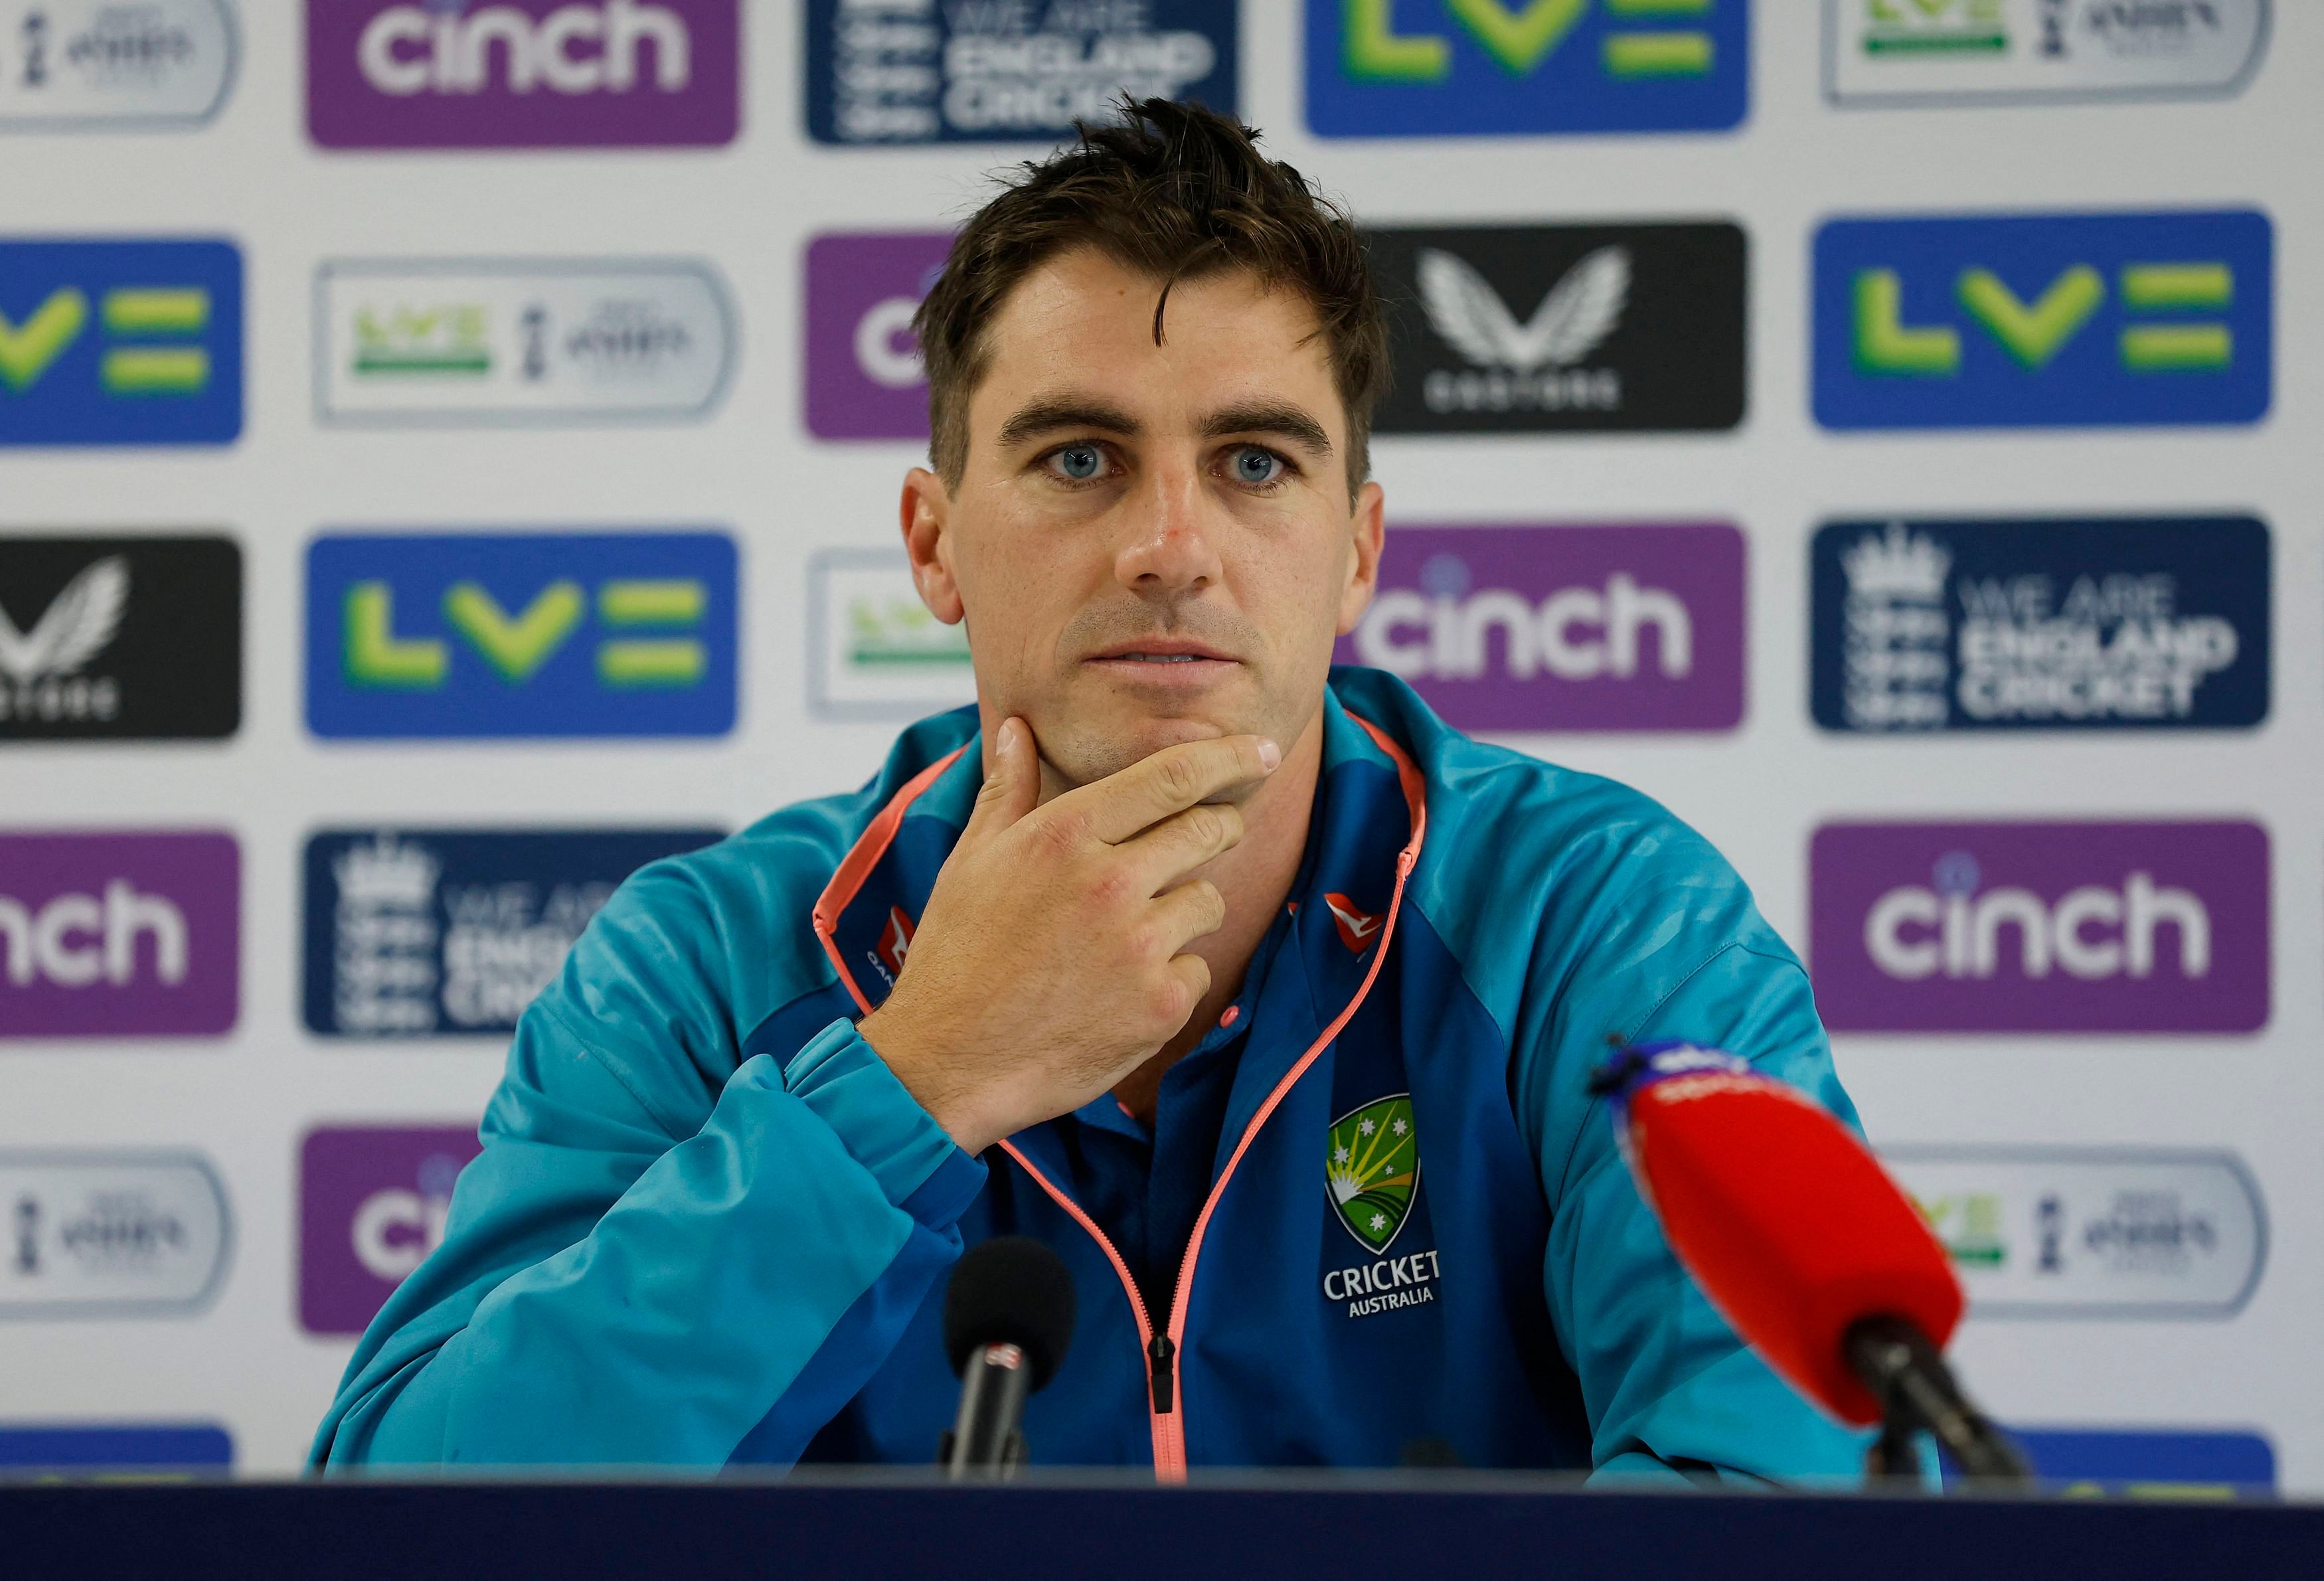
<point>145,320</point>
<point>517,644</point>
<point>2033,332</point>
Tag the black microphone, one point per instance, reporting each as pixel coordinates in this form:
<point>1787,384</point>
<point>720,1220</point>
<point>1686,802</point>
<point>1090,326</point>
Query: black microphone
<point>1009,1316</point>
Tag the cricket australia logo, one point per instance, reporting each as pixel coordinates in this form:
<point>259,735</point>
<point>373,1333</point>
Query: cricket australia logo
<point>1374,1169</point>
<point>1370,1172</point>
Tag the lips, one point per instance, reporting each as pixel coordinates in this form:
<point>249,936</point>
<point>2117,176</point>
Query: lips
<point>1161,650</point>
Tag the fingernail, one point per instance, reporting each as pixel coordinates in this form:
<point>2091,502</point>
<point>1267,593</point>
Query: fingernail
<point>1269,755</point>
<point>1005,742</point>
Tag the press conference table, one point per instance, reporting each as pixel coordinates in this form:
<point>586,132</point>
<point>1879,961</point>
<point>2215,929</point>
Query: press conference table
<point>1369,1529</point>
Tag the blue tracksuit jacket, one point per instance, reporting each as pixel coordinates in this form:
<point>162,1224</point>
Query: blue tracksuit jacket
<point>708,1226</point>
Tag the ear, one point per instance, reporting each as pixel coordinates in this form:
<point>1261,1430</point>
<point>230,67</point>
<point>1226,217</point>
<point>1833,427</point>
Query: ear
<point>1370,524</point>
<point>924,511</point>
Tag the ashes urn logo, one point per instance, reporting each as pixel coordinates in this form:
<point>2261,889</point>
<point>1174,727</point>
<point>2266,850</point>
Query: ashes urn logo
<point>1374,1169</point>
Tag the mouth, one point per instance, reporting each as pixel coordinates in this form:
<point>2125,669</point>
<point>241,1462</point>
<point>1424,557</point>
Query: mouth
<point>1162,661</point>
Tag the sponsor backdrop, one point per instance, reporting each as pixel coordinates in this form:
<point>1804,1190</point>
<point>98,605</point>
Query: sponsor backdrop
<point>448,455</point>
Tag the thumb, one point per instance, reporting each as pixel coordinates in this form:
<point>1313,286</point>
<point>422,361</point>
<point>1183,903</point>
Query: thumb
<point>1012,786</point>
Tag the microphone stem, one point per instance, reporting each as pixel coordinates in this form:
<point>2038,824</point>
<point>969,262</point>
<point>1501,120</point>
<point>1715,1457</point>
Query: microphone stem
<point>1918,1393</point>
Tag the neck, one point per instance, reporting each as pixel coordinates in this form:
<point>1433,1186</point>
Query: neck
<point>1254,880</point>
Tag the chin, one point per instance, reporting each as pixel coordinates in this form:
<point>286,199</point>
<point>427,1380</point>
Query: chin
<point>1084,750</point>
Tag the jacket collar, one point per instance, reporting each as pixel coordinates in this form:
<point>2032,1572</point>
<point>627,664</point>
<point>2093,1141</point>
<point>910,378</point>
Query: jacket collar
<point>1366,825</point>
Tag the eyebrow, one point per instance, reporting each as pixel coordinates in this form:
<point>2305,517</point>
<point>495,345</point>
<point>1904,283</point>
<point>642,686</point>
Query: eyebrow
<point>1270,417</point>
<point>1091,412</point>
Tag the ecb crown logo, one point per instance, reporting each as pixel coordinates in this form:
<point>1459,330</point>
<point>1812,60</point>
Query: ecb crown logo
<point>120,343</point>
<point>2043,320</point>
<point>522,636</point>
<point>1474,68</point>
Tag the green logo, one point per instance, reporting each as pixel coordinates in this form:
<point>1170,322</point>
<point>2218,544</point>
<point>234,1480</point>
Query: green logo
<point>1373,1169</point>
<point>899,630</point>
<point>447,340</point>
<point>1935,27</point>
<point>1969,1226</point>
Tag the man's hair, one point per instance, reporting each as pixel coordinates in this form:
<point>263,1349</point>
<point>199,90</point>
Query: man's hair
<point>1174,191</point>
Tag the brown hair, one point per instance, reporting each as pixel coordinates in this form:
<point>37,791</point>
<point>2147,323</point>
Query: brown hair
<point>1175,191</point>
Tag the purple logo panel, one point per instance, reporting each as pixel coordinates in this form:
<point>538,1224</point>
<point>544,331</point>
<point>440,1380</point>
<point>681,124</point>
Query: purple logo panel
<point>371,1205</point>
<point>119,934</point>
<point>524,73</point>
<point>863,377</point>
<point>1622,628</point>
<point>2040,926</point>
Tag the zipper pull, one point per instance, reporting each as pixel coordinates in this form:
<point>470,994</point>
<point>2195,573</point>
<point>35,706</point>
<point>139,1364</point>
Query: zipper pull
<point>1159,1354</point>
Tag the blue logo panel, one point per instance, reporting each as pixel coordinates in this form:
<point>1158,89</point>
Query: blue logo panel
<point>2163,1463</point>
<point>521,634</point>
<point>446,933</point>
<point>2140,622</point>
<point>1512,68</point>
<point>113,1446</point>
<point>120,343</point>
<point>2069,320</point>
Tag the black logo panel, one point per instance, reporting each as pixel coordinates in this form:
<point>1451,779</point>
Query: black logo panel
<point>1547,329</point>
<point>120,638</point>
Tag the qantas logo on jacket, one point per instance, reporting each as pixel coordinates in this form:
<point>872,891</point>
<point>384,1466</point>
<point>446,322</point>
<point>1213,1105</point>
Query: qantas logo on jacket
<point>895,943</point>
<point>1358,928</point>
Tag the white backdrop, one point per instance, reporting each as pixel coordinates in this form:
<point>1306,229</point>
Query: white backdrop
<point>245,1101</point>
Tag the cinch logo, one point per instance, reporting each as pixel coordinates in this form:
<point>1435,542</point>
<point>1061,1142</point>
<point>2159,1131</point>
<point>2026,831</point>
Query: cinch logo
<point>864,375</point>
<point>118,935</point>
<point>2050,1232</point>
<point>373,1203</point>
<point>873,650</point>
<point>1562,628</point>
<point>120,637</point>
<point>1456,68</point>
<point>1884,52</point>
<point>889,71</point>
<point>544,634</point>
<point>2112,623</point>
<point>105,1234</point>
<point>521,341</point>
<point>1558,329</point>
<point>101,65</point>
<point>2044,321</point>
<point>453,932</point>
<point>120,343</point>
<point>523,73</point>
<point>2063,926</point>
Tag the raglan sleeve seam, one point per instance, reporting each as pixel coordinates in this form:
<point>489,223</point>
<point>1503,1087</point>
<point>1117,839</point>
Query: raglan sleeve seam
<point>1573,1143</point>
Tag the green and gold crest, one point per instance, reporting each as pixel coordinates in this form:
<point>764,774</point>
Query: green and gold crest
<point>1373,1167</point>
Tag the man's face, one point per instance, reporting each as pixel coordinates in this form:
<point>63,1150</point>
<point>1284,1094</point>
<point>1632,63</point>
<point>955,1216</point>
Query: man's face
<point>1150,543</point>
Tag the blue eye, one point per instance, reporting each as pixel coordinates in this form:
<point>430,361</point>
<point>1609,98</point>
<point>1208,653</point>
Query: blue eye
<point>1253,465</point>
<point>1080,462</point>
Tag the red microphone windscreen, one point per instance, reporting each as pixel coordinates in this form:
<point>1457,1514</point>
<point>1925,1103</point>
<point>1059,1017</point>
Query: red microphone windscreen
<point>1786,1221</point>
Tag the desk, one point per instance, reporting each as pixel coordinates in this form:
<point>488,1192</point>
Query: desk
<point>1369,1529</point>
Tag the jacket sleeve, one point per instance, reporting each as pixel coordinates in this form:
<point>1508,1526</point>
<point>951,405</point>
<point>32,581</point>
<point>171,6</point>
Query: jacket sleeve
<point>647,1264</point>
<point>1669,1389</point>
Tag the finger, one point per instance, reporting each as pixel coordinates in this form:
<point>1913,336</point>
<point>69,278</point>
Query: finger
<point>1180,843</point>
<point>1171,780</point>
<point>1012,785</point>
<point>1185,914</point>
<point>1194,973</point>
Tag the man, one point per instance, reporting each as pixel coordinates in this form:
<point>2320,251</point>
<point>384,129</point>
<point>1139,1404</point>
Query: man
<point>1267,1000</point>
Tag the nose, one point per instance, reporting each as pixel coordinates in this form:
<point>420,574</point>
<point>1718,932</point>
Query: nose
<point>1169,547</point>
